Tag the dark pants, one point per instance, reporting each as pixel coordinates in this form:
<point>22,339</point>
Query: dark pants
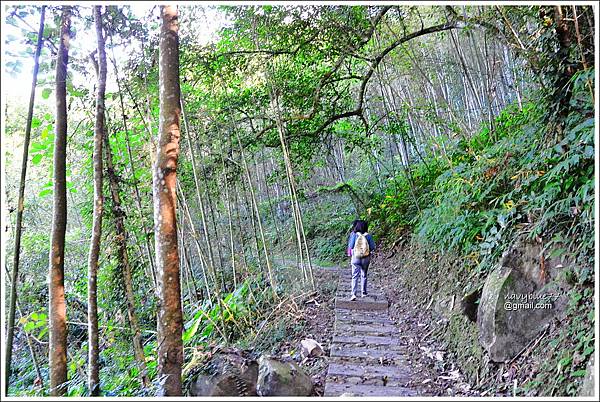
<point>360,266</point>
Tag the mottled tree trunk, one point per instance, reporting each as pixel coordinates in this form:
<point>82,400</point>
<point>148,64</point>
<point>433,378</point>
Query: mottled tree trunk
<point>99,128</point>
<point>21,205</point>
<point>57,305</point>
<point>164,174</point>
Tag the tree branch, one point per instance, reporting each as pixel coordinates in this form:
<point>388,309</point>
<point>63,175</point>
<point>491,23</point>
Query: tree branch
<point>363,86</point>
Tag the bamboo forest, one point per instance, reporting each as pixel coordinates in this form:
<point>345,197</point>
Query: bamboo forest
<point>301,199</point>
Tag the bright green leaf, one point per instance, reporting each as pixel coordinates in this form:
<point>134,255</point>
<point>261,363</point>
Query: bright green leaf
<point>37,158</point>
<point>45,192</point>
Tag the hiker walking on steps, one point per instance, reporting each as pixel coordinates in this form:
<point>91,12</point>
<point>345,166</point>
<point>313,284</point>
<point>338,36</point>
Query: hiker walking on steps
<point>360,247</point>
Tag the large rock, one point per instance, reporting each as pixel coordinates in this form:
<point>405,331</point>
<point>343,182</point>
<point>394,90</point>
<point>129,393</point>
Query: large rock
<point>277,378</point>
<point>516,303</point>
<point>229,374</point>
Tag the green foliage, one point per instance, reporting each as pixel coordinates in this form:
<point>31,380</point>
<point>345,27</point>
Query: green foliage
<point>510,180</point>
<point>398,208</point>
<point>224,317</point>
<point>469,192</point>
<point>563,362</point>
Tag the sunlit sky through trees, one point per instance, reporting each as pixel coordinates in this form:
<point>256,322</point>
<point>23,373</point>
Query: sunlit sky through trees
<point>16,83</point>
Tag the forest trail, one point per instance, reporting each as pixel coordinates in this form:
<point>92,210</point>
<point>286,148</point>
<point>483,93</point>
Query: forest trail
<point>368,357</point>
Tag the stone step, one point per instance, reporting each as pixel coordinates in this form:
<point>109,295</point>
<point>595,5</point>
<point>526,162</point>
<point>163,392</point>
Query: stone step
<point>346,293</point>
<point>345,389</point>
<point>361,313</point>
<point>380,380</point>
<point>368,356</point>
<point>365,330</point>
<point>376,327</point>
<point>366,321</point>
<point>369,371</point>
<point>361,304</point>
<point>338,350</point>
<point>367,340</point>
<point>346,284</point>
<point>362,360</point>
<point>392,348</point>
<point>359,318</point>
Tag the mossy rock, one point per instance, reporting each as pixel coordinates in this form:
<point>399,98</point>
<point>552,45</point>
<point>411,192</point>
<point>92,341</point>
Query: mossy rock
<point>278,378</point>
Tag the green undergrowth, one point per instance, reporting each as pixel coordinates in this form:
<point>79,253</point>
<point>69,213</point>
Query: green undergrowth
<point>521,177</point>
<point>251,317</point>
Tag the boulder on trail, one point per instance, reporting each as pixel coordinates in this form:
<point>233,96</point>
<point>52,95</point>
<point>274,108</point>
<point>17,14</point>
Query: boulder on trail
<point>310,348</point>
<point>516,303</point>
<point>278,378</point>
<point>227,374</point>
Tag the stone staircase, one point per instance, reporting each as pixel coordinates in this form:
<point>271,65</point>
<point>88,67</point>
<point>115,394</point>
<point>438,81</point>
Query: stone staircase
<point>367,354</point>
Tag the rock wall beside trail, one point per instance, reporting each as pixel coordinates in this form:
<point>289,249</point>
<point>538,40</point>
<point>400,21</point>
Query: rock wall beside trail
<point>495,324</point>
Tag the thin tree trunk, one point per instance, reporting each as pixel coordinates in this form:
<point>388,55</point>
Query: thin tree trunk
<point>249,211</point>
<point>294,196</point>
<point>237,200</point>
<point>229,221</point>
<point>170,316</point>
<point>211,260</point>
<point>34,358</point>
<point>125,266</point>
<point>187,269</point>
<point>36,364</point>
<point>215,238</point>
<point>198,248</point>
<point>271,209</point>
<point>99,132</point>
<point>272,281</point>
<point>463,64</point>
<point>138,198</point>
<point>57,304</point>
<point>21,206</point>
<point>402,151</point>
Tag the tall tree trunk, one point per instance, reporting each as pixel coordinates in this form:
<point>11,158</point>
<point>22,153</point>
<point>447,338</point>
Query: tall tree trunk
<point>57,305</point>
<point>211,260</point>
<point>185,262</point>
<point>99,130</point>
<point>271,208</point>
<point>229,220</point>
<point>301,237</point>
<point>170,316</point>
<point>138,198</point>
<point>21,205</point>
<point>215,240</point>
<point>237,201</point>
<point>123,260</point>
<point>272,281</point>
<point>195,236</point>
<point>246,207</point>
